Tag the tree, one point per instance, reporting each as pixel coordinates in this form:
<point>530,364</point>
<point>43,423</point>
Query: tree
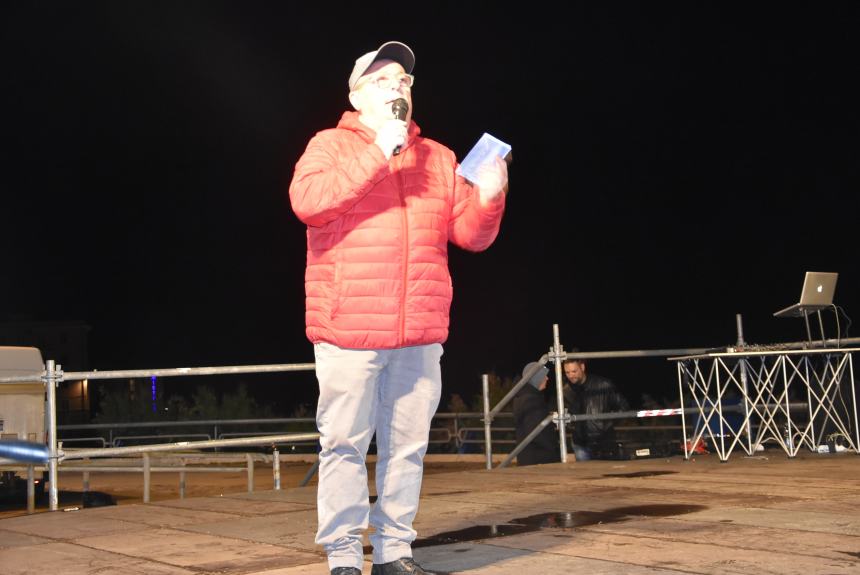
<point>498,388</point>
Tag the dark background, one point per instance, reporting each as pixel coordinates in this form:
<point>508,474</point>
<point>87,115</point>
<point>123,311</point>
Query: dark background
<point>674,164</point>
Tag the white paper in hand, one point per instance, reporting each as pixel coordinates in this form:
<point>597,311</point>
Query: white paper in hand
<point>483,152</point>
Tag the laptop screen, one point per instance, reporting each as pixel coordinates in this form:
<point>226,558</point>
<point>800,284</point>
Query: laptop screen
<point>818,288</point>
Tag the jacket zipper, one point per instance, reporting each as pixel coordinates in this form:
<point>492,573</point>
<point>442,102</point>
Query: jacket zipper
<point>402,335</point>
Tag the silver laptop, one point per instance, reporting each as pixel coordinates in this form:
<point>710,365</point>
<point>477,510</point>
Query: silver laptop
<point>817,294</point>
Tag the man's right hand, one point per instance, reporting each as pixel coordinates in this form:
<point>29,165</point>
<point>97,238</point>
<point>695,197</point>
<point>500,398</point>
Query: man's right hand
<point>390,135</point>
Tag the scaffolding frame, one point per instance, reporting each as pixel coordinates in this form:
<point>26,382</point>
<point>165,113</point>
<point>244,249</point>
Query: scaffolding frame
<point>764,381</point>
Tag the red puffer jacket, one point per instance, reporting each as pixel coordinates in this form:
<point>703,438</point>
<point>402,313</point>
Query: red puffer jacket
<point>378,231</point>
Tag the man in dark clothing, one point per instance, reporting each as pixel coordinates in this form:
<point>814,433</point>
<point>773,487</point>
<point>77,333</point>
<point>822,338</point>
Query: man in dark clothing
<point>591,394</point>
<point>530,408</point>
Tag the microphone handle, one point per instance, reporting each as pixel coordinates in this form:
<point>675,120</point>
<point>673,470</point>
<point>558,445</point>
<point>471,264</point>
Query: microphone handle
<point>400,108</point>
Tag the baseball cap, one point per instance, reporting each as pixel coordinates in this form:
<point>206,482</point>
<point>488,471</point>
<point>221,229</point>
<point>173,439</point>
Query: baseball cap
<point>397,51</point>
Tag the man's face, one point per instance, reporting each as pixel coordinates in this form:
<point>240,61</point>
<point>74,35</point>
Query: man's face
<point>384,82</point>
<point>574,371</point>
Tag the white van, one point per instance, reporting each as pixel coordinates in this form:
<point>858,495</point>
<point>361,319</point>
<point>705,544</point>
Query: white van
<point>22,408</point>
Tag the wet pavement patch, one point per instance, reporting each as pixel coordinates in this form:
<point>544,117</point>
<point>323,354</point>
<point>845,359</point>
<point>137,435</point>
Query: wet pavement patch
<point>70,499</point>
<point>449,493</point>
<point>97,499</point>
<point>373,498</point>
<point>639,474</point>
<point>555,520</point>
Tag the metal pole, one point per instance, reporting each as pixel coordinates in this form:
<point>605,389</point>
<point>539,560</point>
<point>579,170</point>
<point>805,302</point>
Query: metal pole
<point>147,476</point>
<point>250,461</point>
<point>808,331</point>
<point>187,371</point>
<point>558,354</point>
<point>741,343</point>
<point>528,439</point>
<point>31,490</point>
<point>683,419</point>
<point>51,380</point>
<point>820,325</point>
<point>488,420</point>
<point>182,485</point>
<point>854,401</point>
<point>806,366</point>
<point>85,481</point>
<point>311,472</point>
<point>184,445</point>
<point>787,440</point>
<point>795,448</point>
<point>517,387</point>
<point>276,468</point>
<point>719,405</point>
<point>740,328</point>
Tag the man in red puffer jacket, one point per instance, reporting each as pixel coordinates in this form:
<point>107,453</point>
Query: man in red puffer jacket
<point>381,204</point>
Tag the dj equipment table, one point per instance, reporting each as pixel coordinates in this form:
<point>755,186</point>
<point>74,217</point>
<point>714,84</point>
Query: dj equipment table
<point>761,386</point>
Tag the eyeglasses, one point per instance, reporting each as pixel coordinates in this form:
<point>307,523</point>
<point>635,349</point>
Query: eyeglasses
<point>399,81</point>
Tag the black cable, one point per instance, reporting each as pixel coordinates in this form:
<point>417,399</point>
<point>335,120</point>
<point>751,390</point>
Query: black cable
<point>848,319</point>
<point>838,330</point>
<point>837,376</point>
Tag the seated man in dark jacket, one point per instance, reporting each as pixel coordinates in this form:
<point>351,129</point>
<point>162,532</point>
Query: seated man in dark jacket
<point>590,394</point>
<point>530,408</point>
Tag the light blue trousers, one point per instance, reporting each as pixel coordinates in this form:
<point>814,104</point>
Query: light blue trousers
<point>394,393</point>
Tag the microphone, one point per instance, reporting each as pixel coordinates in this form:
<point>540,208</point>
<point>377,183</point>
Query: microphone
<point>399,108</point>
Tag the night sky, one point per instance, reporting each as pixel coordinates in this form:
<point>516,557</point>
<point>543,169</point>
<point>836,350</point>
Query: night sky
<point>674,164</point>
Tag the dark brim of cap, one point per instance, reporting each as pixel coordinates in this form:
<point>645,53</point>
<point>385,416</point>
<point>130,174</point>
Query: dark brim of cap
<point>399,52</point>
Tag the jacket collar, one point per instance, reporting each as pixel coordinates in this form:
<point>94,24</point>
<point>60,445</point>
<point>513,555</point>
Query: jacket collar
<point>350,121</point>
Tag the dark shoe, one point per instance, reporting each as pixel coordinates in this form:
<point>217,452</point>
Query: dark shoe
<point>404,566</point>
<point>345,571</point>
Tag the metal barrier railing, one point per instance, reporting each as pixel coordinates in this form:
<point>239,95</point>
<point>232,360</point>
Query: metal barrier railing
<point>145,450</point>
<point>146,468</point>
<point>216,424</point>
<point>53,375</point>
<point>94,439</point>
<point>438,435</point>
<point>120,439</point>
<point>465,431</point>
<point>557,356</point>
<point>455,433</point>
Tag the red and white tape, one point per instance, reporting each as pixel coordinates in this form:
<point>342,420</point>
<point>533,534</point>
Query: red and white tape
<point>658,412</point>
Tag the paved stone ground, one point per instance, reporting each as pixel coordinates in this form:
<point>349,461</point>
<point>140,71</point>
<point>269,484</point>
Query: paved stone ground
<point>756,515</point>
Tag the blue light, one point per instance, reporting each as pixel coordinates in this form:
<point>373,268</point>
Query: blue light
<point>154,394</point>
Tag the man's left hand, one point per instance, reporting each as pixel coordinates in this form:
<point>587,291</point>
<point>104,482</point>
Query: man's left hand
<point>492,180</point>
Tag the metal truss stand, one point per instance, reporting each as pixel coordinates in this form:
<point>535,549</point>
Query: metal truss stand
<point>764,382</point>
